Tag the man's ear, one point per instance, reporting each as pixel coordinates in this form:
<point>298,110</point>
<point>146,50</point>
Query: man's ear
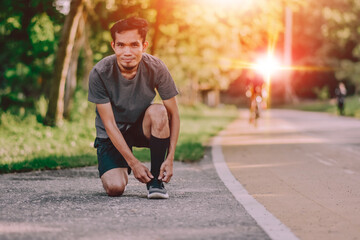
<point>145,45</point>
<point>113,45</point>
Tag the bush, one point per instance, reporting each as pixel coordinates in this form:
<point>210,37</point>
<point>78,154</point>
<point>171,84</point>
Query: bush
<point>322,93</point>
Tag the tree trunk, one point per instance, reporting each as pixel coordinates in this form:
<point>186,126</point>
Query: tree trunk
<point>290,96</point>
<point>89,63</point>
<point>71,80</point>
<point>194,89</point>
<point>55,111</point>
<point>159,16</point>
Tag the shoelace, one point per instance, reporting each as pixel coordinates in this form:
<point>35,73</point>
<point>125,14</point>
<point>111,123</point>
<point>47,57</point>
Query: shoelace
<point>156,184</point>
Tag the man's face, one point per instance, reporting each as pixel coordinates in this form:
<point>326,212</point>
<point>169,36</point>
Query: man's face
<point>128,48</point>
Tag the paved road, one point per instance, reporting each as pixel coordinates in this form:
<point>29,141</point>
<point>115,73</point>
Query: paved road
<point>70,204</point>
<point>303,167</point>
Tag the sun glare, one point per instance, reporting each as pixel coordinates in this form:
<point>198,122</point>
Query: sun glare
<point>244,4</point>
<point>267,66</point>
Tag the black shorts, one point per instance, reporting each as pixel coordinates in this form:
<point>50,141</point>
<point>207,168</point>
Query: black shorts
<point>109,157</point>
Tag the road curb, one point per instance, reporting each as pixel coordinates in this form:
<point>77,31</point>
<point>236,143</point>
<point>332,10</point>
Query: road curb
<point>268,222</point>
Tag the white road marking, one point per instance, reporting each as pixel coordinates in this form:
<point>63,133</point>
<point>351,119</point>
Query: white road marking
<point>349,171</point>
<point>268,222</point>
<point>318,158</point>
<point>353,150</point>
<point>332,160</point>
<point>324,162</point>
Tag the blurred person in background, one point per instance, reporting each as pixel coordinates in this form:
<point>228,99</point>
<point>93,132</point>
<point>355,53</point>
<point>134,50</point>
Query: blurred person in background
<point>340,93</point>
<point>255,93</point>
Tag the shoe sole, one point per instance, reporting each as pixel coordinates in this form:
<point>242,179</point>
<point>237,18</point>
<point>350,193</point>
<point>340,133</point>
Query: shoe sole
<point>158,196</point>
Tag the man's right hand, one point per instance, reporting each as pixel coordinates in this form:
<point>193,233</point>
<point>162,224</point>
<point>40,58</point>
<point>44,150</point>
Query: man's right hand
<point>141,172</point>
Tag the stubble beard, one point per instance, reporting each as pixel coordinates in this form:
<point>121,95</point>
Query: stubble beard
<point>129,68</point>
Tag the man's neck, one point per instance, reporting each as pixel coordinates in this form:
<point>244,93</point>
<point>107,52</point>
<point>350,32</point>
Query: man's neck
<point>128,73</point>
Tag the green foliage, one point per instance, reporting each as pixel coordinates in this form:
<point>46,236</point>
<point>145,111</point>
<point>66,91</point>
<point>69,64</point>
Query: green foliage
<point>24,139</point>
<point>81,108</point>
<point>198,124</point>
<point>41,107</point>
<point>42,34</point>
<point>29,33</point>
<point>342,31</point>
<point>314,106</point>
<point>352,106</point>
<point>198,40</point>
<point>349,70</point>
<point>49,163</point>
<point>192,37</point>
<point>322,93</point>
<point>203,35</point>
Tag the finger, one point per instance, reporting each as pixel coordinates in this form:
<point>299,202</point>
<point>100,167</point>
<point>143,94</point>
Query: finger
<point>149,175</point>
<point>161,175</point>
<point>167,177</point>
<point>141,179</point>
<point>145,179</point>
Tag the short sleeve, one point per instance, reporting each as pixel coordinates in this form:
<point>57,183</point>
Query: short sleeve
<point>165,83</point>
<point>97,91</point>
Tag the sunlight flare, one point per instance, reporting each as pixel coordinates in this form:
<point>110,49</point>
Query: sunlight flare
<point>267,66</point>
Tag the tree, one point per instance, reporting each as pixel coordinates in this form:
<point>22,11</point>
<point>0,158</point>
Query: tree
<point>205,43</point>
<point>28,36</point>
<point>71,79</point>
<point>342,31</point>
<point>55,110</point>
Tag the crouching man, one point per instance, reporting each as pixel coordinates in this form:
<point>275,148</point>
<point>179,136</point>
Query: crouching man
<point>123,88</point>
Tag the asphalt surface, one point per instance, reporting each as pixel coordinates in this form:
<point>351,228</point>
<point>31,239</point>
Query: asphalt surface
<point>303,167</point>
<point>71,204</point>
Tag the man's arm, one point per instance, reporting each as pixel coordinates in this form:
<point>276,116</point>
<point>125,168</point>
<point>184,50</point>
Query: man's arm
<point>174,121</point>
<point>141,172</point>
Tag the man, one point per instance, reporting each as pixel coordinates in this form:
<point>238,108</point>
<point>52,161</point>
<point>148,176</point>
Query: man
<point>340,93</point>
<point>123,87</point>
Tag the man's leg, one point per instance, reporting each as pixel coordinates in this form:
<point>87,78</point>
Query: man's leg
<point>113,169</point>
<point>156,129</point>
<point>115,181</point>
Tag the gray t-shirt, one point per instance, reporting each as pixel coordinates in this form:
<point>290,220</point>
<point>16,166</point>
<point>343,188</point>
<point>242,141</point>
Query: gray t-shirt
<point>128,98</point>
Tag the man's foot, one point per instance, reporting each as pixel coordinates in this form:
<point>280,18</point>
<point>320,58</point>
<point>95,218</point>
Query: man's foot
<point>156,190</point>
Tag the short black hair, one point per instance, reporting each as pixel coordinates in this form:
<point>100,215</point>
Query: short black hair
<point>130,24</point>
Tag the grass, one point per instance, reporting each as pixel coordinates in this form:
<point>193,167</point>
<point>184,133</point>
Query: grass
<point>26,144</point>
<point>352,106</point>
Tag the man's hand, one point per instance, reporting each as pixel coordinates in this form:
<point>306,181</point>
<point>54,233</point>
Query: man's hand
<point>142,173</point>
<point>166,171</point>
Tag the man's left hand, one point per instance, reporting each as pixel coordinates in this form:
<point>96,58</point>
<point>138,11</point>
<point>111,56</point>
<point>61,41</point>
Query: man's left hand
<point>166,171</point>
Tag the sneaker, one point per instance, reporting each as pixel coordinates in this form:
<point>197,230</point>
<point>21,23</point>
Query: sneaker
<point>156,190</point>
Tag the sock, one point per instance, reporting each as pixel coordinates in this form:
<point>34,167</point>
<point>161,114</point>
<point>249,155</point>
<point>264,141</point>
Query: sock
<point>158,152</point>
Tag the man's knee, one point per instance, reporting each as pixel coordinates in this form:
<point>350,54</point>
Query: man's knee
<point>158,114</point>
<point>115,181</point>
<point>113,190</point>
<point>157,111</point>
